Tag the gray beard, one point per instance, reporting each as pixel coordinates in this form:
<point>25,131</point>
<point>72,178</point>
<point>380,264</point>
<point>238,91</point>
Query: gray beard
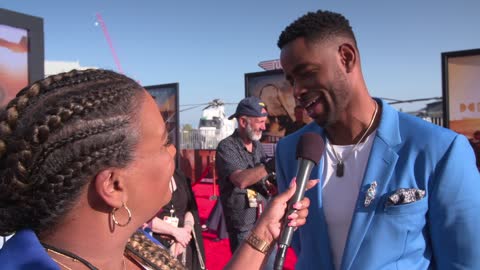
<point>251,135</point>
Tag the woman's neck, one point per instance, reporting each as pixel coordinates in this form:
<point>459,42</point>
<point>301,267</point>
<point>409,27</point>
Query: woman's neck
<point>93,241</point>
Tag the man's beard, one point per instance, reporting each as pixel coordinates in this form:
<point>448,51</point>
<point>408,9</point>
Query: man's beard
<point>336,99</point>
<point>251,134</point>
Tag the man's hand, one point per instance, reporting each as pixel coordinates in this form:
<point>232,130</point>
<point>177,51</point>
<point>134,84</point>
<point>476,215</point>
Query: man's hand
<point>271,188</point>
<point>269,165</point>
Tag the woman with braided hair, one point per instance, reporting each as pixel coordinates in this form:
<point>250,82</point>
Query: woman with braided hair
<point>80,154</point>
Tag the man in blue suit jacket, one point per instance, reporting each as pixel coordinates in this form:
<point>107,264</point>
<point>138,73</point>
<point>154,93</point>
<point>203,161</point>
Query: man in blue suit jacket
<point>396,192</point>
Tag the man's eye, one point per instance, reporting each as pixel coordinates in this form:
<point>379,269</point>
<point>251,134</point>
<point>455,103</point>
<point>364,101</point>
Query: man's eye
<point>305,74</point>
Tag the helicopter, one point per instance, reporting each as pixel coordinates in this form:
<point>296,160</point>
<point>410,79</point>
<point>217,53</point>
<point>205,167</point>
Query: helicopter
<point>213,125</point>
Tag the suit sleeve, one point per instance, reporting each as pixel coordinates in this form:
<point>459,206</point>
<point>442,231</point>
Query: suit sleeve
<point>282,183</point>
<point>279,169</point>
<point>454,216</point>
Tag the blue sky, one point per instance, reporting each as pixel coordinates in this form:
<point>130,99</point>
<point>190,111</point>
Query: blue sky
<point>207,46</point>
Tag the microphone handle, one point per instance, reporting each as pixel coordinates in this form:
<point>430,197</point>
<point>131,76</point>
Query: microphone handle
<point>303,174</point>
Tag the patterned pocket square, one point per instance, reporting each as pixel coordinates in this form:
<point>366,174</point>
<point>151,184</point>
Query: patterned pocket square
<point>405,195</point>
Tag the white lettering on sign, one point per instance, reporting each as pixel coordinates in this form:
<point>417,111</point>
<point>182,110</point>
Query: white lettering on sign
<point>270,64</point>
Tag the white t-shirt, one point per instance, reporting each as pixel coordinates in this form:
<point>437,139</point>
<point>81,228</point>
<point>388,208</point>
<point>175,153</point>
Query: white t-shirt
<point>339,194</point>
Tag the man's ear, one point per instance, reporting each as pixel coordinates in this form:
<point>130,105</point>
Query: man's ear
<point>110,186</point>
<point>242,122</point>
<point>348,56</point>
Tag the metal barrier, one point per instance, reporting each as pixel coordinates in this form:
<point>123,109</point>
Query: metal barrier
<point>200,139</point>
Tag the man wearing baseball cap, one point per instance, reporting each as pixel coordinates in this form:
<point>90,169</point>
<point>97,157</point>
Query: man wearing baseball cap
<point>250,106</point>
<point>243,170</point>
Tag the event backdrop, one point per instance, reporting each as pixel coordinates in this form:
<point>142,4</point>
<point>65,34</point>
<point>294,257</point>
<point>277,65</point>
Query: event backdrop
<point>277,94</point>
<point>21,55</point>
<point>167,99</point>
<point>21,52</point>
<point>461,91</point>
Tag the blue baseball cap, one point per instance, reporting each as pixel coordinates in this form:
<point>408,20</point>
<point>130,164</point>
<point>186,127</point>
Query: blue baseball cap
<point>250,106</point>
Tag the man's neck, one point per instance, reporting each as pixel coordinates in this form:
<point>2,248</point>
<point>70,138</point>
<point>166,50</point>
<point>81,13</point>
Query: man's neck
<point>248,144</point>
<point>351,127</point>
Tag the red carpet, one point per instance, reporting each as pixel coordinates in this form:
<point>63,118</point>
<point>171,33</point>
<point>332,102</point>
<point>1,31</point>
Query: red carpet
<point>218,252</point>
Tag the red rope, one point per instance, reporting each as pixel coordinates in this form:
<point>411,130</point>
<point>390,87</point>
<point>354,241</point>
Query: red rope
<point>203,175</point>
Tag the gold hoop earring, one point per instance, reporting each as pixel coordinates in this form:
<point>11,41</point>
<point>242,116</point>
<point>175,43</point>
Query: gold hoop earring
<point>124,205</point>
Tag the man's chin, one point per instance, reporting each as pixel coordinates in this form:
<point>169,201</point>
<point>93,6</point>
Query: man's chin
<point>256,137</point>
<point>324,121</point>
<point>321,122</point>
<point>323,118</point>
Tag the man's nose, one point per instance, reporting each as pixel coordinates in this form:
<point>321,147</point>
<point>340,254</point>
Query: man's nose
<point>298,90</point>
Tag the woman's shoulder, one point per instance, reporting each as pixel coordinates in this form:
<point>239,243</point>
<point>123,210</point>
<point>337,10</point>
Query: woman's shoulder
<point>22,249</point>
<point>146,250</point>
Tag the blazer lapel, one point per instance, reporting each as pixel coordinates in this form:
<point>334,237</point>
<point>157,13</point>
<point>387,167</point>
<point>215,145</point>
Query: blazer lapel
<point>380,167</point>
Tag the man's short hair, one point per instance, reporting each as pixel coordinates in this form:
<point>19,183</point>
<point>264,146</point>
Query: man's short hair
<point>319,25</point>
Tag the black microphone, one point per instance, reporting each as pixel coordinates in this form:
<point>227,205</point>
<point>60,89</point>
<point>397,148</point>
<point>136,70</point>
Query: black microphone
<point>310,149</point>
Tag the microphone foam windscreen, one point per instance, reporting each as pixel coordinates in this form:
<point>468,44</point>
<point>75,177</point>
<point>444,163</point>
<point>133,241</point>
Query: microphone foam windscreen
<point>310,147</point>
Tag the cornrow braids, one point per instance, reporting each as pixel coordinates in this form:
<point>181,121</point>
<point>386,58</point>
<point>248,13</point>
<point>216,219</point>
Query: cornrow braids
<point>319,25</point>
<point>55,136</point>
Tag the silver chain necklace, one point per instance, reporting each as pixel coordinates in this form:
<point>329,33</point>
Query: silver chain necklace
<point>340,166</point>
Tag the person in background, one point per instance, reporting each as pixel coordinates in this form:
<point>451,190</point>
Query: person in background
<point>177,225</point>
<point>243,171</point>
<point>85,161</point>
<point>475,143</point>
<point>298,123</point>
<point>396,191</point>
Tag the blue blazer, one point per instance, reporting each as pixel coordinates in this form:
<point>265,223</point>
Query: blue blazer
<point>440,231</point>
<point>25,252</point>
